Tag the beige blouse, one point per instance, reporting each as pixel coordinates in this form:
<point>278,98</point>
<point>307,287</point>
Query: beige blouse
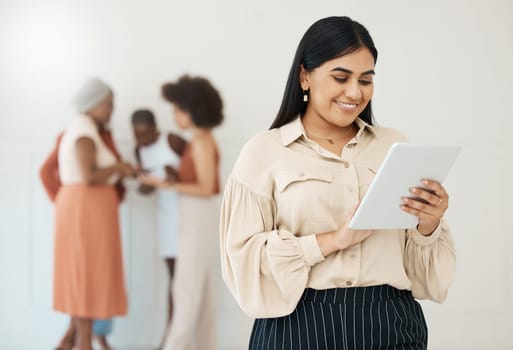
<point>283,190</point>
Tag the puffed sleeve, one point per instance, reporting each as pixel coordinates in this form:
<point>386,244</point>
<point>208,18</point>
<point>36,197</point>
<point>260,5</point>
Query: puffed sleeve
<point>430,262</point>
<point>265,268</point>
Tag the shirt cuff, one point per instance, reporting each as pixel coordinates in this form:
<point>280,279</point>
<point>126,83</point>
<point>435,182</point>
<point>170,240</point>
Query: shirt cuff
<point>420,239</point>
<point>311,250</point>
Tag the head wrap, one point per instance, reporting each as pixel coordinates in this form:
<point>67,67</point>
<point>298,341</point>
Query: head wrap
<point>92,92</point>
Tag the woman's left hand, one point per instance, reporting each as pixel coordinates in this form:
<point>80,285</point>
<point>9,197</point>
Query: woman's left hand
<point>428,203</point>
<point>153,181</point>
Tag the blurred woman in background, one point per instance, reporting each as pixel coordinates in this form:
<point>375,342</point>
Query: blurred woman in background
<point>159,154</point>
<point>88,266</point>
<point>197,107</point>
<point>49,175</point>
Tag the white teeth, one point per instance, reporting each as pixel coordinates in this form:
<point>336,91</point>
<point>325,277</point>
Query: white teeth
<point>347,105</point>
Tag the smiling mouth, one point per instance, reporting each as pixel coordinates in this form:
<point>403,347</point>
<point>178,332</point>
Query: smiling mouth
<point>346,106</point>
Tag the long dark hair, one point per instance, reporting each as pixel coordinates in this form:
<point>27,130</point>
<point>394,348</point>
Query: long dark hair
<point>326,39</point>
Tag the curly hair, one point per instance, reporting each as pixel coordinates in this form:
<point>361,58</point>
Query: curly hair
<point>198,97</point>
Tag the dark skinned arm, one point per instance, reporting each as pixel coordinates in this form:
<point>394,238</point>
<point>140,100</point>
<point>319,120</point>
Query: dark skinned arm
<point>176,143</point>
<point>143,189</point>
<point>93,175</point>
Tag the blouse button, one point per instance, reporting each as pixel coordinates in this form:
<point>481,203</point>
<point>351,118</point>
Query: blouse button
<point>349,283</point>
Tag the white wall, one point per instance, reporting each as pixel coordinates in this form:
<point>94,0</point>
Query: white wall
<point>443,75</point>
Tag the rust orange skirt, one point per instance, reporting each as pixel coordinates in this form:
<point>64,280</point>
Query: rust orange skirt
<point>88,263</point>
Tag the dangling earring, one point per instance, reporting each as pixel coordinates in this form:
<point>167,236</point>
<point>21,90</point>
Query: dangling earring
<point>305,96</point>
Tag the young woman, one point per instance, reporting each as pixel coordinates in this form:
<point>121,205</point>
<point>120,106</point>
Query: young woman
<point>197,107</point>
<point>288,256</point>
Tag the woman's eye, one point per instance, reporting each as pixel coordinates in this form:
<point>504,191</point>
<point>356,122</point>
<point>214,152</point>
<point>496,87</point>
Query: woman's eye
<point>340,79</point>
<point>365,82</point>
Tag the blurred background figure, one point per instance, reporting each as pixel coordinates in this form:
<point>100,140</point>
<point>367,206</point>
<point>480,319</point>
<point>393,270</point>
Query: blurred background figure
<point>88,266</point>
<point>159,154</point>
<point>197,107</point>
<point>49,175</point>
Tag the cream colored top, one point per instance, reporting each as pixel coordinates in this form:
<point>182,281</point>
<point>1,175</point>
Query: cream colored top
<point>69,169</point>
<point>283,190</point>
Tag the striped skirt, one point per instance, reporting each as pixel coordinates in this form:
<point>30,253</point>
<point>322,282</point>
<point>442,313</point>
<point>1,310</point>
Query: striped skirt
<point>379,317</point>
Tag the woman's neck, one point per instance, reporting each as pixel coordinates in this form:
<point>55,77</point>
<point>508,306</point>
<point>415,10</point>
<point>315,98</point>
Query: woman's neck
<point>98,124</point>
<point>196,132</point>
<point>318,126</point>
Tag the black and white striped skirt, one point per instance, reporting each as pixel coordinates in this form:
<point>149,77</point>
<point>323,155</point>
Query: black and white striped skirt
<point>379,317</point>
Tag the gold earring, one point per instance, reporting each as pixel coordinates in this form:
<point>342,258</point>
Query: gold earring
<point>305,96</point>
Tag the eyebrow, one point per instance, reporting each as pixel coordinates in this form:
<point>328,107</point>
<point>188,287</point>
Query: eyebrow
<point>340,69</point>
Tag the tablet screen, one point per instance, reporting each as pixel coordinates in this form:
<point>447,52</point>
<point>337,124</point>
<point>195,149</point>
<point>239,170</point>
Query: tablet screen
<point>405,165</point>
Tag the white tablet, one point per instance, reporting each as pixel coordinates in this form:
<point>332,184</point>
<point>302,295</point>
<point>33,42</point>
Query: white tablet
<point>405,165</point>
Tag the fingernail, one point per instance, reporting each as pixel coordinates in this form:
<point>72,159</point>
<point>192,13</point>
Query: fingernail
<point>425,182</point>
